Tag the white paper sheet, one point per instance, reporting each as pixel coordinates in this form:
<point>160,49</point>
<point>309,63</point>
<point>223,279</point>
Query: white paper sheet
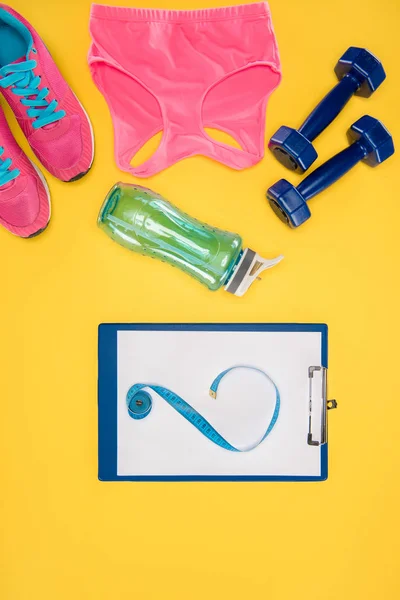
<point>187,362</point>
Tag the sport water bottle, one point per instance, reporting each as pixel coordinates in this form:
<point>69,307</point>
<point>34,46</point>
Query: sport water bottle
<point>142,221</point>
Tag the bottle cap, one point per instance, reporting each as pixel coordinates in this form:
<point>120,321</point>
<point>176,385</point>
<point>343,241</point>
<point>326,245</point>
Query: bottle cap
<point>248,270</point>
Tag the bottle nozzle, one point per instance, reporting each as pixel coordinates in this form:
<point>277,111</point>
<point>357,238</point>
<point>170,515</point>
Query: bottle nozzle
<point>248,269</point>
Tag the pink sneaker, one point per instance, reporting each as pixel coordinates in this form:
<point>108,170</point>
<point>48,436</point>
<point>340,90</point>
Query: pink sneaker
<point>54,122</point>
<point>24,195</point>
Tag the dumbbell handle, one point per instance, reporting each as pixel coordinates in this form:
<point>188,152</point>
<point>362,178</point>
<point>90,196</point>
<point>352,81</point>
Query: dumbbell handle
<point>329,108</point>
<point>331,171</point>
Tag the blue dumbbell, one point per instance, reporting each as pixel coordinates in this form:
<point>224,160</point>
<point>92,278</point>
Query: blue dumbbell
<point>360,73</point>
<point>372,143</point>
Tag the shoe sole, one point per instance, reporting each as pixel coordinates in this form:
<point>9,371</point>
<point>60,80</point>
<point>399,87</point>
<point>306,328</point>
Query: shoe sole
<point>77,177</point>
<point>38,232</point>
<point>80,175</point>
<point>46,187</point>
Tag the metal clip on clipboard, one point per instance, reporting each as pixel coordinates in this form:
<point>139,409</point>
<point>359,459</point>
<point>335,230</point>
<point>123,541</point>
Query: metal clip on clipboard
<point>318,405</point>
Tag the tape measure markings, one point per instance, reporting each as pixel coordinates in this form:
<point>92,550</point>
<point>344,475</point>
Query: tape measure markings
<point>139,404</point>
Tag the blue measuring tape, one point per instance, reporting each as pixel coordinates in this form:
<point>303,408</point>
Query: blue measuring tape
<point>140,403</point>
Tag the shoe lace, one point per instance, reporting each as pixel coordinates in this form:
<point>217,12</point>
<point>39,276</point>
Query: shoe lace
<point>6,173</point>
<point>26,84</point>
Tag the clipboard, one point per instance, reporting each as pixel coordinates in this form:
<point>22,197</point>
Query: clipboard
<point>184,359</point>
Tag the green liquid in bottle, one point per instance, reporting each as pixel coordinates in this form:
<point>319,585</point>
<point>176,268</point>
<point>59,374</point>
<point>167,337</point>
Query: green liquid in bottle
<point>144,222</point>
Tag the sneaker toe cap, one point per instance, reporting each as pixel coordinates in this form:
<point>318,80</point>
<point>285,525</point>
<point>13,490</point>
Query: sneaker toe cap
<point>24,207</point>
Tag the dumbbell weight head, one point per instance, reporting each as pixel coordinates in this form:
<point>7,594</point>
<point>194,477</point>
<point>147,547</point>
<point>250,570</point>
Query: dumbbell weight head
<point>363,66</point>
<point>288,204</point>
<point>361,73</point>
<point>292,149</point>
<point>370,142</point>
<point>375,138</point>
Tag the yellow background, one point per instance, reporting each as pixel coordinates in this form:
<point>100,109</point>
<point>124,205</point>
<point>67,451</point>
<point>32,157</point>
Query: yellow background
<point>67,536</point>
